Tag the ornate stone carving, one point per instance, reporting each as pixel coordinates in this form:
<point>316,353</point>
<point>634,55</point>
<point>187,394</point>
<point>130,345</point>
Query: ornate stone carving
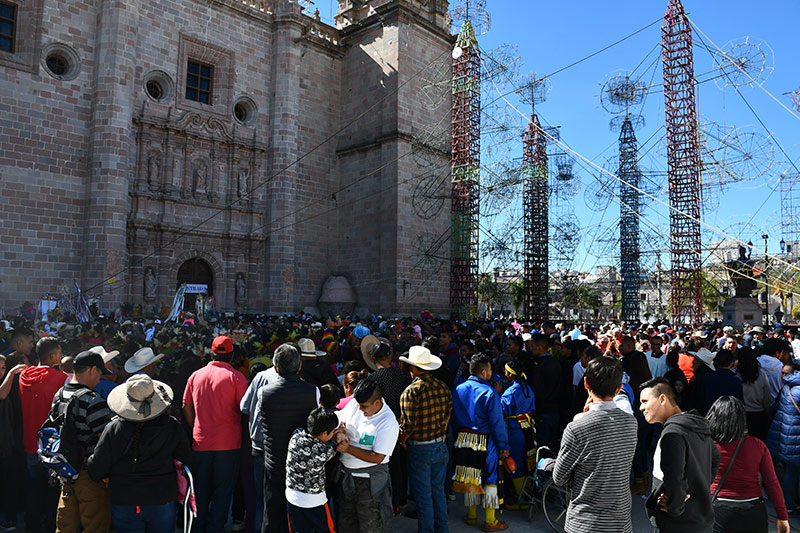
<point>200,177</point>
<point>243,182</point>
<point>150,284</point>
<point>241,289</point>
<point>154,170</point>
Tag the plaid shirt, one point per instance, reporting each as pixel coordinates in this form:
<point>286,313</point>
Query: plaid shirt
<point>425,408</point>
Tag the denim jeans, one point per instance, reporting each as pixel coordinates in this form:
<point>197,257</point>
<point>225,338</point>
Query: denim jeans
<point>791,477</point>
<point>41,498</point>
<point>427,464</point>
<point>144,518</point>
<point>215,474</point>
<point>258,471</point>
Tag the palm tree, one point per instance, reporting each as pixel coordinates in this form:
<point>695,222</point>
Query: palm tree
<point>517,290</point>
<point>488,291</point>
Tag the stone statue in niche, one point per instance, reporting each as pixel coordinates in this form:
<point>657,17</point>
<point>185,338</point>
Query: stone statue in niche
<point>241,289</point>
<point>153,170</point>
<point>242,182</point>
<point>200,174</point>
<point>150,284</point>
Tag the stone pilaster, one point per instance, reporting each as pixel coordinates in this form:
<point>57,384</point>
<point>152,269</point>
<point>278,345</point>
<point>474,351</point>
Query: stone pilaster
<point>111,151</point>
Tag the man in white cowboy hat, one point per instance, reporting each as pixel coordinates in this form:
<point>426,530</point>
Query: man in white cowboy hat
<point>314,370</point>
<point>106,385</point>
<point>482,441</point>
<point>136,451</point>
<point>211,408</point>
<point>425,409</point>
<point>143,362</point>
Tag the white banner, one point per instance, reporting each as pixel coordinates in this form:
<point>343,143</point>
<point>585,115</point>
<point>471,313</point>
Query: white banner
<point>196,288</point>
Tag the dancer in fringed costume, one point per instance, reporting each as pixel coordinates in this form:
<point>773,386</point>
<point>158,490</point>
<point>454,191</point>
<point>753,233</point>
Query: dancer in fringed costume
<point>481,442</point>
<point>518,406</point>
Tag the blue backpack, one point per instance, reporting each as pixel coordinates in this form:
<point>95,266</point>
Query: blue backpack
<point>59,450</point>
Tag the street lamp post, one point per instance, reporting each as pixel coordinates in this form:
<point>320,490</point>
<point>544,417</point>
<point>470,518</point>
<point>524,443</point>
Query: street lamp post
<point>766,280</point>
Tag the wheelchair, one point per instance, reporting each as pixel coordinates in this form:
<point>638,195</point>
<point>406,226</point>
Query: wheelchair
<point>540,492</point>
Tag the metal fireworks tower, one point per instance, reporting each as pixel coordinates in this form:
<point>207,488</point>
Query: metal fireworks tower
<point>629,221</point>
<point>465,175</point>
<point>534,201</point>
<point>683,160</point>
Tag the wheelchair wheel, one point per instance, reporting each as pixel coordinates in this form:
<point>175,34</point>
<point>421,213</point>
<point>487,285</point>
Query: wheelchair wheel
<point>532,510</point>
<point>554,503</point>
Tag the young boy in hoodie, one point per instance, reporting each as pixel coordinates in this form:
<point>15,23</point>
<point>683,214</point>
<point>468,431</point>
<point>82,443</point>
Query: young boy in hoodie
<point>684,465</point>
<point>309,450</point>
<point>37,387</point>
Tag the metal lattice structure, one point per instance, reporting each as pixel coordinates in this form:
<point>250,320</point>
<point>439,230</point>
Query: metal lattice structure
<point>465,176</point>
<point>790,207</point>
<point>683,160</point>
<point>534,201</point>
<point>630,268</point>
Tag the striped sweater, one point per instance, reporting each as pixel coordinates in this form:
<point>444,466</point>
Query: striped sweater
<point>595,464</point>
<point>91,416</point>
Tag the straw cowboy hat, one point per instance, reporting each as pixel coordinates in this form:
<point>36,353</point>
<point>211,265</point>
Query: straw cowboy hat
<point>366,350</point>
<point>107,356</point>
<point>141,359</point>
<point>421,357</point>
<point>140,398</point>
<point>706,356</point>
<point>309,349</point>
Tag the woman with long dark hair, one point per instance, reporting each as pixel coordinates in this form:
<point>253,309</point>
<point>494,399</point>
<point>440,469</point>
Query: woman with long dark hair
<point>738,505</point>
<point>757,395</point>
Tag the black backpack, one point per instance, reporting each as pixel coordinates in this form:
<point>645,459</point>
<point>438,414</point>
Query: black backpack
<point>59,450</point>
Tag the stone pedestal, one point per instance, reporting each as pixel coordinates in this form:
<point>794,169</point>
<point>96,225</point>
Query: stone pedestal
<point>739,310</point>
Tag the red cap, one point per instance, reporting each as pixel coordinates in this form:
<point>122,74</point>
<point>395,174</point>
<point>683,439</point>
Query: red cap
<point>222,344</point>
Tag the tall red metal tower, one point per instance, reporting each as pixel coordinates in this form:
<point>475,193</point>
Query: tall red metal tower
<point>534,200</point>
<point>465,175</point>
<point>683,160</point>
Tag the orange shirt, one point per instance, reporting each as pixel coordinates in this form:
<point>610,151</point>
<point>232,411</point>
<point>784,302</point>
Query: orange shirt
<point>685,363</point>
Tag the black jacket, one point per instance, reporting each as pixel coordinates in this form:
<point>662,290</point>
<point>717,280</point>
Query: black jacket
<point>140,471</point>
<point>686,462</point>
<point>285,405</point>
<point>546,384</point>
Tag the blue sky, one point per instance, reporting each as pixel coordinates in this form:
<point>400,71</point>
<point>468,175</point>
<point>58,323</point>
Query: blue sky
<point>551,35</point>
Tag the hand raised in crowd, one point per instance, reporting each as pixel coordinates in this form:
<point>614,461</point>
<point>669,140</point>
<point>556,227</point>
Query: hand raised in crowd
<point>17,369</point>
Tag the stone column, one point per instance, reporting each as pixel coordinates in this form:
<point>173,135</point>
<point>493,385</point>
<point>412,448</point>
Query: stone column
<point>112,151</point>
<point>280,190</point>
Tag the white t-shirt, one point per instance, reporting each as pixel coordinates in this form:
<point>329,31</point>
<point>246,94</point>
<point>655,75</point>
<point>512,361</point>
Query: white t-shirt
<point>306,501</point>
<point>377,433</point>
<point>577,373</point>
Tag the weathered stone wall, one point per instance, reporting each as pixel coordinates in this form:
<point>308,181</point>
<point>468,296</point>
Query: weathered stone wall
<point>102,183</point>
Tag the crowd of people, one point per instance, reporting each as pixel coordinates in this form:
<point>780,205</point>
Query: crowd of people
<point>295,424</point>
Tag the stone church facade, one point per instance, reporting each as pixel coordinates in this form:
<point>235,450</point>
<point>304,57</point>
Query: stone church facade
<point>246,146</point>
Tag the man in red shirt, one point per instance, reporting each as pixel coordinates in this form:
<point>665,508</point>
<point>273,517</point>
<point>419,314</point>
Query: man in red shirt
<point>211,408</point>
<point>37,387</point>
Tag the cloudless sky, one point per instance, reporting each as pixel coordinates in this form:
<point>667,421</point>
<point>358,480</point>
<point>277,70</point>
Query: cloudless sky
<point>550,35</point>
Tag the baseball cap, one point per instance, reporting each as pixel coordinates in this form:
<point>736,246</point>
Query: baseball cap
<point>222,344</point>
<point>90,358</point>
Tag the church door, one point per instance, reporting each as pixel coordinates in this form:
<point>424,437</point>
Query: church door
<point>195,272</point>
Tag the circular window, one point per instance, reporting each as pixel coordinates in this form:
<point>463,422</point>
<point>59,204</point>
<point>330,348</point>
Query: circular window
<point>244,110</point>
<point>61,61</point>
<point>57,64</point>
<point>154,90</point>
<point>158,86</point>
